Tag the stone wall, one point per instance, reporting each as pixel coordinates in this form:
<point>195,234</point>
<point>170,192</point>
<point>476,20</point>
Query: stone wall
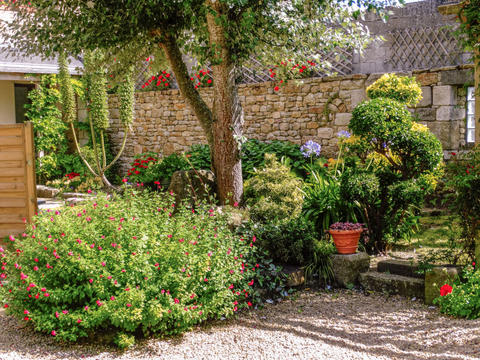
<point>316,109</point>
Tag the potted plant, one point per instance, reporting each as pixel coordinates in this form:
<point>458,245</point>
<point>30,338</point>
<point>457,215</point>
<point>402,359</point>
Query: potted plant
<point>345,236</point>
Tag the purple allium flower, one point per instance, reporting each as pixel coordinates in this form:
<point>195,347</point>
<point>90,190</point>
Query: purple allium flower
<point>344,134</point>
<point>310,148</point>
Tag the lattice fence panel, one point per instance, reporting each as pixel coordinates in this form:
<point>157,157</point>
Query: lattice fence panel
<point>340,60</point>
<point>428,47</point>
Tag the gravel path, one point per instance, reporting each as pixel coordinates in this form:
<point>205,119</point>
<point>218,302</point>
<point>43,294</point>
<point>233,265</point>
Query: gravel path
<point>317,325</point>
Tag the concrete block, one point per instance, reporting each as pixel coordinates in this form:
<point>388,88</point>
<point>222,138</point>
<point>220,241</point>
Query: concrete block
<point>456,77</point>
<point>347,268</point>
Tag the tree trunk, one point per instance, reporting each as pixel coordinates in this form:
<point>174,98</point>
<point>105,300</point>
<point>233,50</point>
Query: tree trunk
<point>227,112</point>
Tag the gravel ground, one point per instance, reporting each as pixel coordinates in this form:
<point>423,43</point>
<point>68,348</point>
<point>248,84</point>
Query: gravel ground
<point>317,325</point>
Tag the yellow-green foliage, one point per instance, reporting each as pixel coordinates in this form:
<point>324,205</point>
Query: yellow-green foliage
<point>273,193</point>
<point>401,88</point>
<point>97,90</point>
<point>66,90</point>
<point>126,94</point>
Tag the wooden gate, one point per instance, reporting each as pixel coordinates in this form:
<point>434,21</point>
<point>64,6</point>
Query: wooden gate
<point>18,199</point>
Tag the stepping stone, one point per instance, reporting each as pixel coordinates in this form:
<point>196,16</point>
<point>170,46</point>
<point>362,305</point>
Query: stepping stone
<point>67,195</point>
<point>399,267</point>
<point>393,284</point>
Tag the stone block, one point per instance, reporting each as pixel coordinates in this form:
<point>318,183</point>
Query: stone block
<point>447,113</point>
<point>193,186</point>
<point>347,268</point>
<point>436,278</point>
<point>443,95</point>
<point>325,133</point>
<point>393,284</point>
<point>426,114</point>
<point>357,96</point>
<point>456,77</point>
<point>426,97</point>
<point>342,119</point>
<point>427,78</point>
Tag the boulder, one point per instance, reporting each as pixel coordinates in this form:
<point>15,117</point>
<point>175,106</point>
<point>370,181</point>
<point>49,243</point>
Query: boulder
<point>193,186</point>
<point>47,192</point>
<point>347,268</point>
<point>436,278</point>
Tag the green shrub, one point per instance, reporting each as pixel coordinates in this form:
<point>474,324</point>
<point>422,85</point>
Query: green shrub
<point>321,265</point>
<point>398,163</point>
<point>403,89</point>
<point>127,265</point>
<point>199,157</point>
<point>464,298</point>
<point>463,180</point>
<point>289,242</point>
<point>273,193</point>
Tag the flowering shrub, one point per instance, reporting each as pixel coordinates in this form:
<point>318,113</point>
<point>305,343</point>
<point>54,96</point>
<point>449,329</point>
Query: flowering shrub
<point>128,265</point>
<point>346,226</point>
<point>310,149</point>
<point>462,299</point>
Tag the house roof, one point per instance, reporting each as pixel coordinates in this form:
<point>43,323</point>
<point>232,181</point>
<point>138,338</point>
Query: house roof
<point>28,64</point>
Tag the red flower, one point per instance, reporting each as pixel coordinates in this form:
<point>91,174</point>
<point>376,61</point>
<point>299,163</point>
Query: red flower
<point>276,88</point>
<point>445,290</point>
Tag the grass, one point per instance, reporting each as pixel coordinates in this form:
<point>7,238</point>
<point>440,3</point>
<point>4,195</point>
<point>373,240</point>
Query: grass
<point>433,234</point>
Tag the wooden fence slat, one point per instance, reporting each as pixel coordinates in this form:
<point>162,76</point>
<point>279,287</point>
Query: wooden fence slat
<point>12,186</point>
<point>12,164</point>
<point>11,219</point>
<point>12,179</point>
<point>16,171</point>
<point>11,130</point>
<point>11,140</point>
<point>13,211</point>
<point>11,194</point>
<point>12,202</point>
<point>12,155</point>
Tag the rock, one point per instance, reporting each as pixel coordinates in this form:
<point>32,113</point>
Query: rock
<point>46,192</point>
<point>193,185</point>
<point>295,275</point>
<point>443,95</point>
<point>399,267</point>
<point>434,279</point>
<point>347,268</point>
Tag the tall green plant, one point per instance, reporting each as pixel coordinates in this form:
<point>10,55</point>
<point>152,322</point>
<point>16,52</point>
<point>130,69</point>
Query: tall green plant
<point>48,126</point>
<point>97,107</point>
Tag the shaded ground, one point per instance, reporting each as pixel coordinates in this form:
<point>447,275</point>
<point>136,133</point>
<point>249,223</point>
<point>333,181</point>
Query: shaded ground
<point>317,325</point>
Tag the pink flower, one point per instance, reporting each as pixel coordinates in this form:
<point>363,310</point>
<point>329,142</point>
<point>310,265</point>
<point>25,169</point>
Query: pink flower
<point>86,308</point>
<point>176,301</point>
<point>79,321</point>
<point>112,298</point>
<point>35,268</point>
<point>46,294</point>
<point>65,312</point>
<point>23,276</point>
<point>103,263</point>
<point>99,303</point>
<point>26,312</point>
<point>11,238</point>
<point>128,305</point>
<point>54,333</point>
<point>57,314</point>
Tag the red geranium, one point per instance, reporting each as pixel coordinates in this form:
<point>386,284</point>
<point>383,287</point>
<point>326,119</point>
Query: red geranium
<point>445,290</point>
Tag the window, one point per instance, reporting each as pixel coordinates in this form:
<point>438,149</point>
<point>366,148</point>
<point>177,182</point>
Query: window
<point>21,93</point>
<point>470,115</point>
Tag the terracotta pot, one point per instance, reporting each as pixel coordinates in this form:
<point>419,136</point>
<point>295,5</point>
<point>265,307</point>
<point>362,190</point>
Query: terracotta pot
<point>346,241</point>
